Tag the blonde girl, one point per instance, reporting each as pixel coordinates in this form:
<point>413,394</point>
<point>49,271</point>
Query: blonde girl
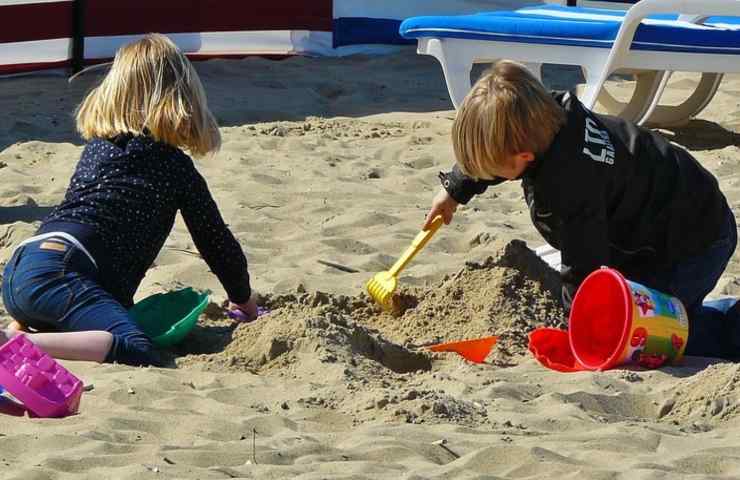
<point>80,271</point>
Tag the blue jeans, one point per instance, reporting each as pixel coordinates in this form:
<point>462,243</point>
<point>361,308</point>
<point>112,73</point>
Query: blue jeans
<point>712,325</point>
<point>50,285</point>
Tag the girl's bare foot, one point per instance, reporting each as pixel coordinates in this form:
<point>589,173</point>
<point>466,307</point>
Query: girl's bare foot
<point>16,326</point>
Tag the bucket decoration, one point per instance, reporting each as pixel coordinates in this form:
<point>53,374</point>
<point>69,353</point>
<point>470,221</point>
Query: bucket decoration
<point>614,321</point>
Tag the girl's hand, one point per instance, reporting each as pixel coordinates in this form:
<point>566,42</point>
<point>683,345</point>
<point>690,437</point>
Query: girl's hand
<point>245,312</point>
<point>443,204</point>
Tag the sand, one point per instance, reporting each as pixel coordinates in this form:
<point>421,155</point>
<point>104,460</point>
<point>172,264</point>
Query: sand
<point>336,160</point>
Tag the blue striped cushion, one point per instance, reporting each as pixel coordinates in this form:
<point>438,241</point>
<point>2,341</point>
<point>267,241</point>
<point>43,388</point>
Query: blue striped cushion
<point>577,26</point>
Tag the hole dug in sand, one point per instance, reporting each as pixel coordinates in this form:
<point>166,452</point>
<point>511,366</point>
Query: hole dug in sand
<point>508,294</point>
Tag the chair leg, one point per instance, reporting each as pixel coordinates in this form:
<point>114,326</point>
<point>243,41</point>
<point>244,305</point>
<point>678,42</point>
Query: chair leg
<point>610,104</point>
<point>663,81</point>
<point>594,83</point>
<point>662,115</point>
<point>456,68</point>
<point>672,115</point>
<point>646,89</point>
<point>646,86</point>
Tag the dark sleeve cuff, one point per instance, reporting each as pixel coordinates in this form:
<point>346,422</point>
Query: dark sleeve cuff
<point>240,291</point>
<point>463,188</point>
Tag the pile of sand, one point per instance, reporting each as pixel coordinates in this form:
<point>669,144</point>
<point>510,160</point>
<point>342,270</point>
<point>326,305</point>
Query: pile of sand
<point>508,294</point>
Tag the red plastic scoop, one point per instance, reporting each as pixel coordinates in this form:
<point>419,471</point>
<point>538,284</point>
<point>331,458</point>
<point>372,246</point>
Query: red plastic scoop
<point>473,350</point>
<point>550,346</point>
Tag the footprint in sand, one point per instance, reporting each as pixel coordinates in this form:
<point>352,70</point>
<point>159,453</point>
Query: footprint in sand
<point>417,140</point>
<point>346,245</point>
<point>348,224</point>
<point>377,263</point>
<point>420,163</point>
<point>136,397</point>
<point>266,179</point>
<point>140,428</point>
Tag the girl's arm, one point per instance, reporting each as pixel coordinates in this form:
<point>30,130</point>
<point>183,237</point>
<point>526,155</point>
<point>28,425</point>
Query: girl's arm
<point>214,240</point>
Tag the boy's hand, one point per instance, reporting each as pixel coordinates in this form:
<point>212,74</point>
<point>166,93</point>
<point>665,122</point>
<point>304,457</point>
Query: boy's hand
<point>248,309</point>
<point>443,204</point>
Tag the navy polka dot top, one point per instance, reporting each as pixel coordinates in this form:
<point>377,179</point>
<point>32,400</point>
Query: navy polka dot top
<point>121,205</point>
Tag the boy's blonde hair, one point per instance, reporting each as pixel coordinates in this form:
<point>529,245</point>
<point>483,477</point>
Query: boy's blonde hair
<point>152,88</point>
<point>508,111</point>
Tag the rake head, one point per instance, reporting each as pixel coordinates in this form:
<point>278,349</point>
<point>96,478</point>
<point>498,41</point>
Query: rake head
<point>381,288</point>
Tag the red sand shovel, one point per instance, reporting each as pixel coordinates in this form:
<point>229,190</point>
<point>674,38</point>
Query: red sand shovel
<point>475,350</point>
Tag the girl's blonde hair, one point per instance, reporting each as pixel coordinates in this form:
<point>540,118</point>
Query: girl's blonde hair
<point>508,111</point>
<point>153,89</point>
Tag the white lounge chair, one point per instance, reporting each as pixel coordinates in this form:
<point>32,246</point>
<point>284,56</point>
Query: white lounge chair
<point>652,39</point>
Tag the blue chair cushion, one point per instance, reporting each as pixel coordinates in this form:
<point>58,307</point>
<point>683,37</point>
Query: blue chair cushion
<point>578,26</point>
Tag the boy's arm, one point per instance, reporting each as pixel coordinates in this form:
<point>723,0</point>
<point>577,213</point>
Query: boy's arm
<point>461,187</point>
<point>584,248</point>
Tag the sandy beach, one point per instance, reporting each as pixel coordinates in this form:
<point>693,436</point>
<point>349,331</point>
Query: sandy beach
<point>336,160</point>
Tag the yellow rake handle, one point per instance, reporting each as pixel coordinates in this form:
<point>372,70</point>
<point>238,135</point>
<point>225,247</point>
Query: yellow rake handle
<point>422,238</point>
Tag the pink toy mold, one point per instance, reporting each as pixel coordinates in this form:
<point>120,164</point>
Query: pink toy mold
<point>33,377</point>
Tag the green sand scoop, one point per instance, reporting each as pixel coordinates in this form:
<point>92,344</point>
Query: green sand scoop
<point>167,318</point>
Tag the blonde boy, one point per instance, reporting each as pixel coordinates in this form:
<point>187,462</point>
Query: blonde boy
<point>600,189</point>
